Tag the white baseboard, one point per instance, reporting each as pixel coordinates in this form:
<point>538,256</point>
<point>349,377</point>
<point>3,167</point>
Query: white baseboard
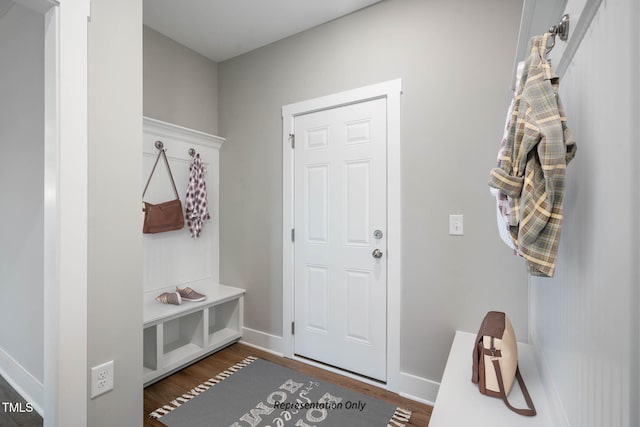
<point>417,388</point>
<point>411,386</point>
<point>22,381</point>
<point>262,340</point>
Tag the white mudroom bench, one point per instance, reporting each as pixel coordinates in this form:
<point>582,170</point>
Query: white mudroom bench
<point>178,335</point>
<point>459,403</point>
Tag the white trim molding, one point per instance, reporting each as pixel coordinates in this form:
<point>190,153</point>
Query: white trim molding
<point>189,136</point>
<point>391,90</point>
<point>51,215</point>
<point>419,389</point>
<point>577,29</point>
<point>262,340</point>
<point>25,384</point>
<point>539,15</point>
<point>65,212</point>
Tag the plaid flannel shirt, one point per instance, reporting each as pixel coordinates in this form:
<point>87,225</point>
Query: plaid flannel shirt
<point>502,200</point>
<point>532,169</point>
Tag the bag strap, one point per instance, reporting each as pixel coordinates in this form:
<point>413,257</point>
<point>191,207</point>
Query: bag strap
<point>526,412</point>
<point>166,162</point>
<point>477,354</point>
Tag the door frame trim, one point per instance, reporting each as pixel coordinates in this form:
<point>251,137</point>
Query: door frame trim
<point>391,90</point>
<point>65,209</point>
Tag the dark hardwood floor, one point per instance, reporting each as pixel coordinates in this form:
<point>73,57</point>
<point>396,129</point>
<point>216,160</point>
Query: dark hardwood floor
<point>14,410</point>
<point>162,392</point>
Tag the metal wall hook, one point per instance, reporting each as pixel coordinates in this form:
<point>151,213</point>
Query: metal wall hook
<point>160,146</point>
<point>561,29</point>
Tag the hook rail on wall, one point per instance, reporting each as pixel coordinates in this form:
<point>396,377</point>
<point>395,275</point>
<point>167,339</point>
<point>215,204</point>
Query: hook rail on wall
<point>160,146</point>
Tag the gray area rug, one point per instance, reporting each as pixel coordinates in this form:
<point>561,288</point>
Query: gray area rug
<point>257,393</point>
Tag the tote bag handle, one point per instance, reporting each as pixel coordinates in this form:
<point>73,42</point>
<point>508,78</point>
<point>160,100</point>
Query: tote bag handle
<point>166,162</point>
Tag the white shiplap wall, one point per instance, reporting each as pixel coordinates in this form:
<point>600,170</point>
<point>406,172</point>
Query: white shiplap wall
<point>584,322</point>
<point>175,258</point>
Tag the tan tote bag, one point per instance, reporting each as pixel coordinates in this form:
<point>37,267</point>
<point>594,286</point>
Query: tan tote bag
<point>495,361</point>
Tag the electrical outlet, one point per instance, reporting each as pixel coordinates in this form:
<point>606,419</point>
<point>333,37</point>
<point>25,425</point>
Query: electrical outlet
<point>456,225</point>
<point>101,379</point>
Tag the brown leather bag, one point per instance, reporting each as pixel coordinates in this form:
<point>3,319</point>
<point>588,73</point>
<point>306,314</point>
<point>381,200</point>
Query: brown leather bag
<point>164,216</point>
<point>495,361</point>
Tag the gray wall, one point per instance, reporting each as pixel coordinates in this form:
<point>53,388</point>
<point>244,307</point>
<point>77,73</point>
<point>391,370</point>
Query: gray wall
<point>180,85</point>
<point>584,322</point>
<point>22,190</point>
<point>455,59</point>
<point>114,219</point>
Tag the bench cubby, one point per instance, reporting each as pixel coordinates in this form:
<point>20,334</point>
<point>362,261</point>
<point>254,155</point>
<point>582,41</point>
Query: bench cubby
<point>177,335</point>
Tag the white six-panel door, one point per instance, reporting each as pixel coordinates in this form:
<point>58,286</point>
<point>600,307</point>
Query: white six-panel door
<point>340,194</point>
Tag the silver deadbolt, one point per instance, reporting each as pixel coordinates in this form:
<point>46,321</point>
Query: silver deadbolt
<point>377,234</point>
<point>377,253</point>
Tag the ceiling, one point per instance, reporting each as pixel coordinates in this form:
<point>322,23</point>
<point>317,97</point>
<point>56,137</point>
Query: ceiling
<point>222,29</point>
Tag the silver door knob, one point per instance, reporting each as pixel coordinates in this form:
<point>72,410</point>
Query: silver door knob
<point>377,253</point>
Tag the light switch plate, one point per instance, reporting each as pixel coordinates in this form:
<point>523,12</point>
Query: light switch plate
<point>456,225</point>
